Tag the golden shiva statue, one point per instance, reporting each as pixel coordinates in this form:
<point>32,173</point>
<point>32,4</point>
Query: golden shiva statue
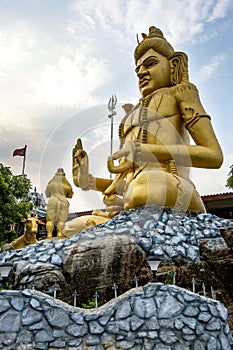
<point>155,153</point>
<point>58,189</point>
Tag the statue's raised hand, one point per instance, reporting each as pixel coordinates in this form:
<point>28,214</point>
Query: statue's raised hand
<point>80,166</point>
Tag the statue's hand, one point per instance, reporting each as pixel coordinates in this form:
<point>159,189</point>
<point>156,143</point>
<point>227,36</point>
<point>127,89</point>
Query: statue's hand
<point>126,155</point>
<point>114,204</point>
<point>80,166</point>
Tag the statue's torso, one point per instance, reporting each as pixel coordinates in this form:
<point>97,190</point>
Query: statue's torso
<point>164,125</point>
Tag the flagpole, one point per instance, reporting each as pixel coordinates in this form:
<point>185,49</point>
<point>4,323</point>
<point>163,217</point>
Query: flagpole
<point>24,161</point>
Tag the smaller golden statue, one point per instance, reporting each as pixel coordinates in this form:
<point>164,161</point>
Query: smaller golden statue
<point>57,190</point>
<point>29,235</point>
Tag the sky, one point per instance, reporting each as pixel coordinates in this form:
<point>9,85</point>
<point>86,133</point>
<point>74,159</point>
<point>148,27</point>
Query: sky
<point>61,61</point>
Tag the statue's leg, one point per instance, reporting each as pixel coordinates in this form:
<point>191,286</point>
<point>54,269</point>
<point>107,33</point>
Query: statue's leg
<point>162,189</point>
<point>82,222</point>
<point>49,228</point>
<point>60,227</point>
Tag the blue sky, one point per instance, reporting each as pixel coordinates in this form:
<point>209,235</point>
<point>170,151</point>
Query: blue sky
<point>60,61</point>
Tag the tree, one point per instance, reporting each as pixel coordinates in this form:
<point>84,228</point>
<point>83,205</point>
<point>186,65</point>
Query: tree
<point>229,183</point>
<point>14,191</point>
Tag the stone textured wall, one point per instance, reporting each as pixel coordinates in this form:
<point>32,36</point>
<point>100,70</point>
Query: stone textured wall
<point>155,316</point>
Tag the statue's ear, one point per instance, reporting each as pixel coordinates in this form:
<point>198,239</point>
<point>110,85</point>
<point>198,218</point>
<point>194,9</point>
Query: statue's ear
<point>179,68</point>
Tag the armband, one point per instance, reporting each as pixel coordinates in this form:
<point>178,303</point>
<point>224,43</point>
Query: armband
<point>190,117</point>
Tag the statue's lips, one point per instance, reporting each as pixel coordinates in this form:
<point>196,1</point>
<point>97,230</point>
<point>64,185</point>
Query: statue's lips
<point>144,82</point>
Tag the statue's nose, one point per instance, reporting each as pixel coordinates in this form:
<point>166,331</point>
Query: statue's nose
<point>141,71</point>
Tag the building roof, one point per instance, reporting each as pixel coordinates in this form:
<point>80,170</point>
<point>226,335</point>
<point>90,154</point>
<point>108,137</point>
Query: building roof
<point>218,200</point>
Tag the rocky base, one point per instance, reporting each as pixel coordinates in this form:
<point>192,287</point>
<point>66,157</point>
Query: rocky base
<point>193,245</point>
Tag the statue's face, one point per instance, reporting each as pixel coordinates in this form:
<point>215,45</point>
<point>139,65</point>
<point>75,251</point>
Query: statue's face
<point>153,71</point>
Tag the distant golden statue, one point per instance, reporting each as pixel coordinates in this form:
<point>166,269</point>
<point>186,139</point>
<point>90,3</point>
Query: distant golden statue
<point>57,190</point>
<point>29,235</point>
<point>155,153</point>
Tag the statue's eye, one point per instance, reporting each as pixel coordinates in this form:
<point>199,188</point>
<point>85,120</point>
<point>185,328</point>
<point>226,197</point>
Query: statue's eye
<point>151,64</point>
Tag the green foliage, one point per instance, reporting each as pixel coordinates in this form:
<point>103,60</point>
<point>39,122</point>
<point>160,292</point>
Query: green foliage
<point>90,304</point>
<point>14,191</point>
<point>229,183</point>
<point>169,277</point>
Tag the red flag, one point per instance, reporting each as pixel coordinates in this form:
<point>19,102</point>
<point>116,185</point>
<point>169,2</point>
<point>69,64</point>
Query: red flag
<point>20,152</point>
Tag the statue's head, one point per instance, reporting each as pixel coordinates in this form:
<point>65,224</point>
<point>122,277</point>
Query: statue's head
<point>60,172</point>
<point>157,64</point>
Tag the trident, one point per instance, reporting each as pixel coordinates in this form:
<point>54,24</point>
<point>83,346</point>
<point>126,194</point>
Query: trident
<point>111,106</point>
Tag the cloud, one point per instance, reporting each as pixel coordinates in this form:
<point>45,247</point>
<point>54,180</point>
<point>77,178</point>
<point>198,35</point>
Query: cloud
<point>73,80</point>
<point>220,10</point>
<point>15,46</point>
<point>208,70</point>
<point>181,23</point>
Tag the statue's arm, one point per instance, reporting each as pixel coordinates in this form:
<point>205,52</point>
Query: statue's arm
<point>207,152</point>
<point>80,169</point>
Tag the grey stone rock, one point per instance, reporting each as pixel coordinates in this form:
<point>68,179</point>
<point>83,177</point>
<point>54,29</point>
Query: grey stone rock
<point>58,344</point>
<point>199,345</point>
<point>9,338</point>
<point>222,311</point>
<point>10,320</point>
<point>59,333</point>
<point>179,324</point>
<point>212,344</point>
<point>191,322</point>
<point>75,342</point>
<point>43,324</point>
<point>35,304</point>
<point>124,345</point>
<point>106,317</point>
<point>188,337</point>
<point>187,331</point>
<point>191,311</point>
<point>158,239</point>
<point>145,243</point>
<point>43,336</point>
<point>112,327</point>
<point>204,317</point>
<point>77,330</point>
<point>57,318</point>
<point>213,325</point>
<point>30,316</point>
<point>24,337</point>
<point>56,260</point>
<point>41,346</point>
<point>213,310</point>
<point>17,303</point>
<point>170,307</point>
<point>123,311</point>
<point>4,305</point>
<point>225,343</point>
<point>167,336</point>
<point>166,323</point>
<point>136,322</point>
<point>95,327</point>
<point>92,340</point>
<point>77,317</point>
<point>43,258</point>
<point>151,324</point>
<point>192,253</point>
<point>144,308</point>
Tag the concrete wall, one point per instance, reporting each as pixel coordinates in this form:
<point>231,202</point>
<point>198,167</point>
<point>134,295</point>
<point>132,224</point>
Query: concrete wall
<point>155,316</point>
